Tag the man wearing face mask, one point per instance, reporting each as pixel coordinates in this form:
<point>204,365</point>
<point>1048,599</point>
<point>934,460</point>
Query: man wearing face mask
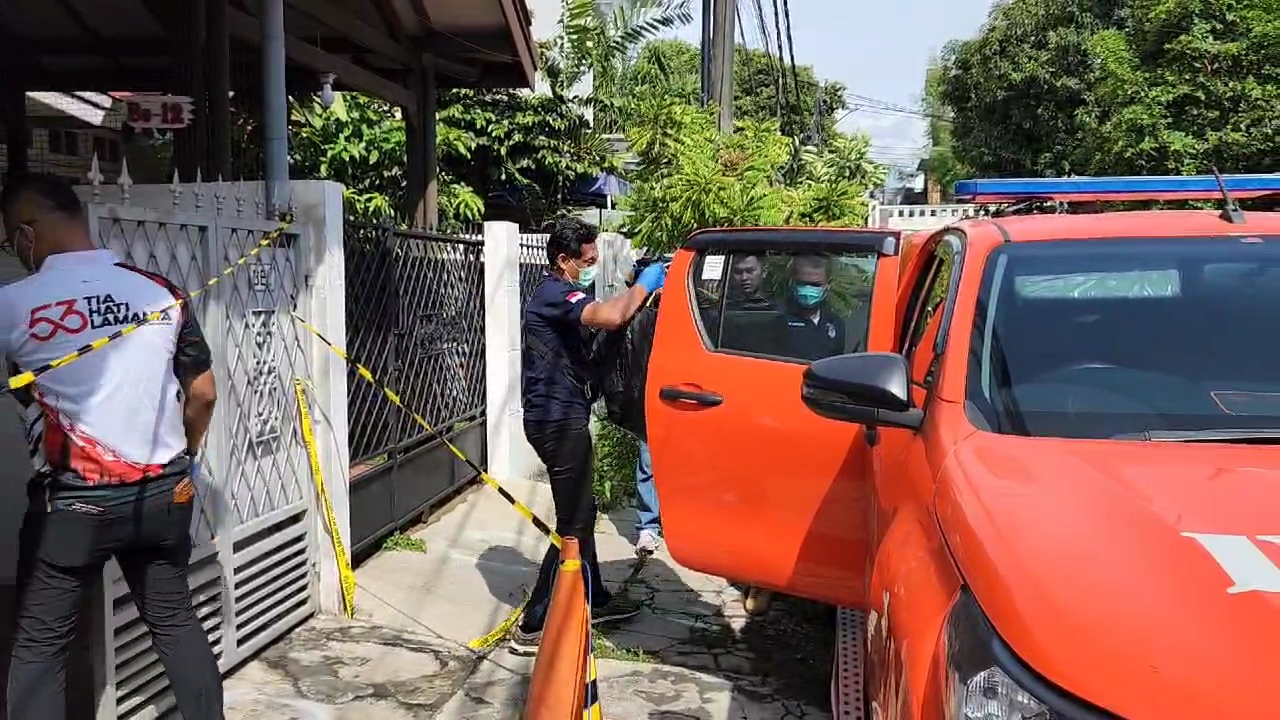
<point>814,330</point>
<point>557,393</point>
<point>114,438</point>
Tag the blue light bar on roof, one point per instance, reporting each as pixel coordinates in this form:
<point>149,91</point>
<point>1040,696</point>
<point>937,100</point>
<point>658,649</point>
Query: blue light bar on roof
<point>1095,189</point>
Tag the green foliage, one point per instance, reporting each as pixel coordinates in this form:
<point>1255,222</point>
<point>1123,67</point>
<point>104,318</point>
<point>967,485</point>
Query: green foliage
<point>399,542</point>
<point>491,145</point>
<point>692,176</point>
<point>1058,87</point>
<point>531,148</point>
<point>942,162</point>
<point>598,44</point>
<point>613,477</point>
<point>360,142</point>
<point>670,68</point>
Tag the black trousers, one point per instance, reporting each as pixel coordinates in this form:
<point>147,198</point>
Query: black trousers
<point>62,548</point>
<point>565,448</point>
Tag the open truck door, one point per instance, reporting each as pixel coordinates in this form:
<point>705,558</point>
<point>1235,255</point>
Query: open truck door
<point>753,486</point>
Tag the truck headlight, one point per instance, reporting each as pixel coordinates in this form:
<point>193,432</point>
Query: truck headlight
<point>993,695</point>
<point>986,681</point>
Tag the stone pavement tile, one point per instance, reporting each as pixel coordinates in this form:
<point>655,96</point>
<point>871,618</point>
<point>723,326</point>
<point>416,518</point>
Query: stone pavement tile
<point>628,691</point>
<point>330,668</point>
<point>404,657</point>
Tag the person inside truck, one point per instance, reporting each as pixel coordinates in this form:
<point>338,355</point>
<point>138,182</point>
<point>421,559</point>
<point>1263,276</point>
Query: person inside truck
<point>814,330</point>
<point>752,321</point>
<point>747,288</point>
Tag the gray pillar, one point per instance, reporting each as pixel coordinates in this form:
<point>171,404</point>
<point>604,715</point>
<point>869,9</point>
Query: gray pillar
<point>275,107</point>
<point>13,113</point>
<point>430,198</point>
<point>220,88</point>
<point>415,155</point>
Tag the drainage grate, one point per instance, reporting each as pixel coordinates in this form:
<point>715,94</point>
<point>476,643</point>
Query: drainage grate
<point>847,699</point>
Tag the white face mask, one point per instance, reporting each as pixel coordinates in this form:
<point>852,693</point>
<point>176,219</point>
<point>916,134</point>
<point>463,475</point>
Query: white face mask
<point>28,259</point>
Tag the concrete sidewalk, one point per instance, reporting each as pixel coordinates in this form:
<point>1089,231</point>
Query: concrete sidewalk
<point>692,653</point>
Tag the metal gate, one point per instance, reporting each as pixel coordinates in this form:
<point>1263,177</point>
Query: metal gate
<point>415,319</point>
<point>253,572</point>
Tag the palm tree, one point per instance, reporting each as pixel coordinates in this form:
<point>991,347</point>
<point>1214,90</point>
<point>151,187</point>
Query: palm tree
<point>596,40</point>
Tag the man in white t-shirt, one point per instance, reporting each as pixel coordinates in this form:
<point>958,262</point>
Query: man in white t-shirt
<point>114,438</point>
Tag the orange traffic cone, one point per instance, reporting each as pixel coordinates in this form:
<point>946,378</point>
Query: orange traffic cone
<point>559,683</point>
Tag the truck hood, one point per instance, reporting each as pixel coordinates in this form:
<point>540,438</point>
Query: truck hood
<point>1093,561</point>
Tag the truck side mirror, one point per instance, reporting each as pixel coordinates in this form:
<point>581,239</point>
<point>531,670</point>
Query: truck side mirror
<point>872,389</point>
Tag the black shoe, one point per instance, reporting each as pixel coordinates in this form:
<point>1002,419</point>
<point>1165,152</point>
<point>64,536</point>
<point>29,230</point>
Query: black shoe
<point>619,607</point>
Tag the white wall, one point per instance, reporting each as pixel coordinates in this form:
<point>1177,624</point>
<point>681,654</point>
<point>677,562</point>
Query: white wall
<point>923,217</point>
<point>508,451</point>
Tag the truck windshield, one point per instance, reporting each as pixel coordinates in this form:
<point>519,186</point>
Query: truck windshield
<point>1128,338</point>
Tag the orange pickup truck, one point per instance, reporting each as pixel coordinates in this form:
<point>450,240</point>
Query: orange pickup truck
<point>1030,456</point>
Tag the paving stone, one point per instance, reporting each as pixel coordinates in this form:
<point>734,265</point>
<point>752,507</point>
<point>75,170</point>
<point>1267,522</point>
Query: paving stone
<point>406,657</point>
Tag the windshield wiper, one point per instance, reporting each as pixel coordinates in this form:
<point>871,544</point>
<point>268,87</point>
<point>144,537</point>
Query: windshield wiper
<point>1260,436</point>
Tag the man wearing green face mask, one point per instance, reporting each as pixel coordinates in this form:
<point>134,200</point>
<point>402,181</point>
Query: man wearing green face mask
<point>557,390</point>
<point>814,331</point>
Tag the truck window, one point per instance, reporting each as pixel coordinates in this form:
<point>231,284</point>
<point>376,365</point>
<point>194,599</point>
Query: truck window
<point>924,318</point>
<point>788,306</point>
<point>1106,338</point>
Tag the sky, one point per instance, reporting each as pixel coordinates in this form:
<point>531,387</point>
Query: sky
<point>878,50</point>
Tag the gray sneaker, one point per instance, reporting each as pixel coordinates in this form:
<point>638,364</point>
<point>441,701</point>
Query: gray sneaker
<point>524,643</point>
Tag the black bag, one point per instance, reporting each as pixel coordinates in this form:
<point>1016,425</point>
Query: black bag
<point>622,357</point>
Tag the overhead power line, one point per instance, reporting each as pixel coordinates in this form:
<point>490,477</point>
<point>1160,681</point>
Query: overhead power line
<point>775,62</point>
<point>782,76</point>
<point>791,51</point>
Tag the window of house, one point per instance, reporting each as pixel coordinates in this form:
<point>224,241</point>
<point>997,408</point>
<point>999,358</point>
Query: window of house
<point>100,147</point>
<point>788,306</point>
<point>55,142</point>
<point>71,143</point>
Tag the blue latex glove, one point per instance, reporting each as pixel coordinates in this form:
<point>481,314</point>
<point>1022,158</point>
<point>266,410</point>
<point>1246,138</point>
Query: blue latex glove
<point>652,277</point>
<point>195,470</point>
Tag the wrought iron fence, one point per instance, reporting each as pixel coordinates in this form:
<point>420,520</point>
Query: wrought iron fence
<point>533,262</point>
<point>415,319</point>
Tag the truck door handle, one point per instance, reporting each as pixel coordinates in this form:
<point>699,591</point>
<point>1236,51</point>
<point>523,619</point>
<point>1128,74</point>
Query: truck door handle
<point>670,393</point>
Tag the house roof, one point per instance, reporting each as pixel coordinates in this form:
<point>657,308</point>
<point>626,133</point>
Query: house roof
<point>371,45</point>
<point>91,108</point>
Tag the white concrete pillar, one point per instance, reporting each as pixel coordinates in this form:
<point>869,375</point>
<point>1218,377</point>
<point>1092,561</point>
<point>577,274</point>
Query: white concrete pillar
<point>320,221</point>
<point>509,453</point>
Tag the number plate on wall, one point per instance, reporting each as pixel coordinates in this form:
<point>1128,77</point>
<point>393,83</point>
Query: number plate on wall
<point>158,111</point>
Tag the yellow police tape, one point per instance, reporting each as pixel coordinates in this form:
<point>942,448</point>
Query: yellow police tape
<point>346,577</point>
<point>391,395</point>
<point>24,379</point>
<point>497,634</point>
<point>592,709</point>
<point>493,638</point>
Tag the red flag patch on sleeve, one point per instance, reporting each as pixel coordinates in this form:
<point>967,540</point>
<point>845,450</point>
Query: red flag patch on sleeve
<point>575,296</point>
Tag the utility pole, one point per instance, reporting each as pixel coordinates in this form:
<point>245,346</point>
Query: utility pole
<point>706,52</point>
<point>722,61</point>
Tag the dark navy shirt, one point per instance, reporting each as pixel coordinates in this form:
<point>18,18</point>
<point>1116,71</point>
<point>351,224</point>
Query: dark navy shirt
<point>553,384</point>
<point>814,339</point>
